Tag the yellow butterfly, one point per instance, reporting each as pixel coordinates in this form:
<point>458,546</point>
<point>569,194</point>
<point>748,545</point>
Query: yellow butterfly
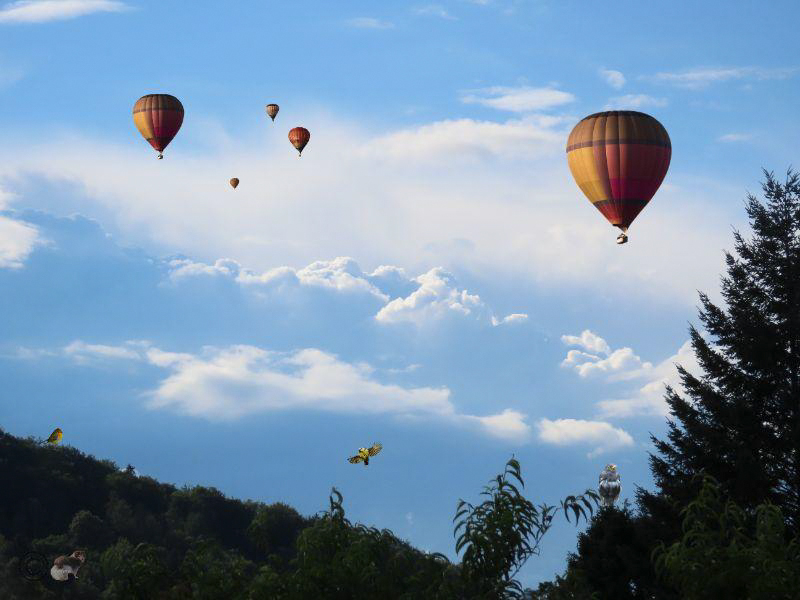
<point>365,453</point>
<point>55,437</point>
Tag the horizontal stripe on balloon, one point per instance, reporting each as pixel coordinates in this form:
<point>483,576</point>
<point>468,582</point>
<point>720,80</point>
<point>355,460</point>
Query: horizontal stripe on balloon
<point>590,143</point>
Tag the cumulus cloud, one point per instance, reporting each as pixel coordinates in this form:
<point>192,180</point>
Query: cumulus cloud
<point>704,76</point>
<point>618,364</point>
<point>613,78</point>
<point>630,101</point>
<point>17,240</point>
<point>512,318</point>
<point>435,293</point>
<point>649,398</point>
<point>232,382</point>
<point>588,341</point>
<point>519,99</point>
<point>436,296</point>
<point>623,364</point>
<point>569,432</point>
<point>369,23</point>
<point>40,11</point>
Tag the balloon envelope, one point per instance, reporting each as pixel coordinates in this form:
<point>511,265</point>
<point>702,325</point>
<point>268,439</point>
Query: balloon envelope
<point>619,159</point>
<point>299,137</point>
<point>234,182</point>
<point>158,117</point>
<point>272,110</point>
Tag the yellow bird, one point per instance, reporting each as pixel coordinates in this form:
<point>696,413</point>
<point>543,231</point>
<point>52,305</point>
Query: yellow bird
<point>365,453</point>
<point>55,437</point>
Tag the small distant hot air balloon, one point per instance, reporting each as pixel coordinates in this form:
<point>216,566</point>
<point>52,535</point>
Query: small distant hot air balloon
<point>234,182</point>
<point>619,159</point>
<point>158,117</point>
<point>299,137</point>
<point>272,110</point>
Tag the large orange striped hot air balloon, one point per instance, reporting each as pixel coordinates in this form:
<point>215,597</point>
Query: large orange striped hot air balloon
<point>272,111</point>
<point>158,117</point>
<point>299,137</point>
<point>619,159</point>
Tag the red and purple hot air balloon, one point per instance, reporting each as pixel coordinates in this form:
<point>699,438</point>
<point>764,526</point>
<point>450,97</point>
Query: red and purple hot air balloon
<point>619,159</point>
<point>299,137</point>
<point>158,117</point>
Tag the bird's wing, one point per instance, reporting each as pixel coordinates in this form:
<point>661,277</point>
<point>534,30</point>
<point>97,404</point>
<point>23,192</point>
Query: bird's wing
<point>375,449</point>
<point>355,459</point>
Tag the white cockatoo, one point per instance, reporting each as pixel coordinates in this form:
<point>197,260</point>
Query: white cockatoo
<point>609,485</point>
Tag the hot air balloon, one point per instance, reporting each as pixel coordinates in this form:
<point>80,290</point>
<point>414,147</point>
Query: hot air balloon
<point>299,137</point>
<point>272,110</point>
<point>234,182</point>
<point>619,159</point>
<point>158,117</point>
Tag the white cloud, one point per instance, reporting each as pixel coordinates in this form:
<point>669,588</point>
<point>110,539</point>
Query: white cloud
<point>613,78</point>
<point>508,425</point>
<point>436,297</point>
<point>341,274</point>
<point>649,398</point>
<point>630,101</point>
<point>434,10</point>
<point>40,11</point>
<point>436,292</point>
<point>587,340</point>
<point>230,383</point>
<point>17,240</point>
<point>512,318</point>
<point>84,353</point>
<point>735,137</point>
<point>520,99</point>
<point>703,77</point>
<point>369,23</point>
<point>568,432</point>
<point>623,364</point>
<point>452,140</point>
<point>617,364</point>
<point>495,195</point>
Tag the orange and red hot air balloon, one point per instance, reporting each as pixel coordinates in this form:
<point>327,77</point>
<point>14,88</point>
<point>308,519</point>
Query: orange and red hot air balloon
<point>234,182</point>
<point>619,159</point>
<point>158,117</point>
<point>299,137</point>
<point>272,111</point>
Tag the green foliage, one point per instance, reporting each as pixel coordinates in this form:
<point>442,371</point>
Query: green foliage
<point>339,560</point>
<point>722,555</point>
<point>275,528</point>
<point>499,535</point>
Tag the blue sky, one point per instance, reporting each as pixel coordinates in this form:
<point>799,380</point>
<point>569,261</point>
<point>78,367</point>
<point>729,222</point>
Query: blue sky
<point>427,275</point>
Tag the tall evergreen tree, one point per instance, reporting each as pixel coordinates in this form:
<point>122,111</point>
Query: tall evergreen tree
<point>741,420</point>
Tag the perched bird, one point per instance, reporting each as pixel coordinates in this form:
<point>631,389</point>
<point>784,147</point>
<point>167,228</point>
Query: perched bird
<point>64,565</point>
<point>609,485</point>
<point>55,437</point>
<point>365,453</point>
